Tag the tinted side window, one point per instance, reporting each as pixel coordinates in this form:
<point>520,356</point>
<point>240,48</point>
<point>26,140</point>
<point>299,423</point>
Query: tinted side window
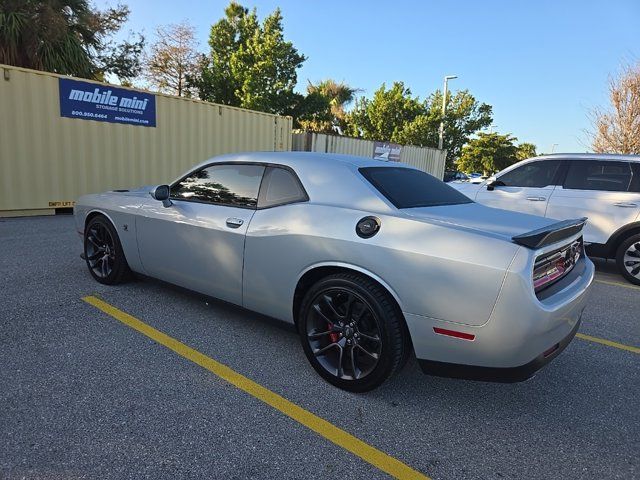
<point>635,181</point>
<point>233,185</point>
<point>407,188</point>
<point>280,186</point>
<point>535,174</point>
<point>594,175</point>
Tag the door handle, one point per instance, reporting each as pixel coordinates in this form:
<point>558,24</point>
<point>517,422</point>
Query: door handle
<point>234,222</point>
<point>626,205</point>
<point>536,199</point>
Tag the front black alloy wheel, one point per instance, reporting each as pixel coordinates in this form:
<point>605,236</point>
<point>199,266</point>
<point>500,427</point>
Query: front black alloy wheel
<point>352,332</point>
<point>103,252</point>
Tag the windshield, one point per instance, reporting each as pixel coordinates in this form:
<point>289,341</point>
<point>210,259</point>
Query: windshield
<point>410,188</point>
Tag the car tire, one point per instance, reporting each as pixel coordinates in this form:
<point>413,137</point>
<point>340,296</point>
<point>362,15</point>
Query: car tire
<point>352,332</point>
<point>103,252</point>
<point>628,253</point>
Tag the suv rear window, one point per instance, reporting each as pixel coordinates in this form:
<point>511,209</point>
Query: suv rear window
<point>599,175</point>
<point>409,188</point>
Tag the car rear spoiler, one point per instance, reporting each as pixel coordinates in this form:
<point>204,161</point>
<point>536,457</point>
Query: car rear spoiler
<point>551,233</point>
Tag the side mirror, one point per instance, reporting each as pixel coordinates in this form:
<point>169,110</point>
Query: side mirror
<point>493,183</point>
<point>161,193</point>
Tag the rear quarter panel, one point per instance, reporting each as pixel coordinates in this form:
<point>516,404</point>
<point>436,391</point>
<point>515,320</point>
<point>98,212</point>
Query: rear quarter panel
<point>605,218</point>
<point>431,269</point>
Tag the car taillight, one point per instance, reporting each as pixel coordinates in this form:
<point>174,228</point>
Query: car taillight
<point>552,266</point>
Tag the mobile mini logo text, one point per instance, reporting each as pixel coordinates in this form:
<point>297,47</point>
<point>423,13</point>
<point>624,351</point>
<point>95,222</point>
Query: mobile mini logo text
<point>107,98</point>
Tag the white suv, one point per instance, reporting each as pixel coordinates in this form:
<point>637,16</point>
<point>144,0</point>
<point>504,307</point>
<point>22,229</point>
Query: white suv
<point>604,188</point>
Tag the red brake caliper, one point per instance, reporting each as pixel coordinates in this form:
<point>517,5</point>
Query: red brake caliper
<point>334,336</point>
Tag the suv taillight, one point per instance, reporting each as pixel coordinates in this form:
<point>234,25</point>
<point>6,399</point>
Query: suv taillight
<point>552,266</point>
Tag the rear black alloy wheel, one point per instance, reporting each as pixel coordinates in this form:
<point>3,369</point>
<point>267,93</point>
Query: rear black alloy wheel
<point>343,333</point>
<point>628,259</point>
<point>103,252</point>
<point>351,332</point>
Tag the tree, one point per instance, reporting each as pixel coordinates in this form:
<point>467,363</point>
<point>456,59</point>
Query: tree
<point>338,96</point>
<point>68,37</point>
<point>488,153</point>
<point>250,65</point>
<point>395,115</point>
<point>464,116</point>
<point>173,57</point>
<point>386,115</point>
<point>526,150</point>
<point>310,111</point>
<point>617,129</point>
<point>215,80</point>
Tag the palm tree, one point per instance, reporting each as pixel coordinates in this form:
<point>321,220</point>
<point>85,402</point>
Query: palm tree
<point>340,95</point>
<point>65,36</point>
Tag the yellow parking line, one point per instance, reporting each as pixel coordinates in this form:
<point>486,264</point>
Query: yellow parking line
<point>608,343</point>
<point>618,284</point>
<point>366,452</point>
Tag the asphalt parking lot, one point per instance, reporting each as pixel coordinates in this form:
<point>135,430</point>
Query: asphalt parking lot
<point>85,395</point>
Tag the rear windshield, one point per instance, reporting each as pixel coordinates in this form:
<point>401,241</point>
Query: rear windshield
<point>409,188</point>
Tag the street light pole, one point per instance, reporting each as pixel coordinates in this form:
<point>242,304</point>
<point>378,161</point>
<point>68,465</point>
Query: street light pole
<point>444,109</point>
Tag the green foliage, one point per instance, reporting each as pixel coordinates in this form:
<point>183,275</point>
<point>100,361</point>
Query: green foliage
<point>526,150</point>
<point>250,65</point>
<point>464,117</point>
<point>333,118</point>
<point>395,115</point>
<point>386,115</point>
<point>68,37</point>
<point>309,110</point>
<point>488,153</point>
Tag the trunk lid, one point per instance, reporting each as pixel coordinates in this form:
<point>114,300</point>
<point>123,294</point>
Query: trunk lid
<point>474,216</point>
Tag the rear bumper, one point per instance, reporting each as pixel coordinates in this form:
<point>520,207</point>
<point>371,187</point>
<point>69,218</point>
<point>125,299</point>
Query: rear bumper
<point>511,345</point>
<point>497,374</point>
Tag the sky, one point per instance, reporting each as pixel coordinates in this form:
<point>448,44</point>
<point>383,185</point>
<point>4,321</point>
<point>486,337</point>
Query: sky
<point>543,65</point>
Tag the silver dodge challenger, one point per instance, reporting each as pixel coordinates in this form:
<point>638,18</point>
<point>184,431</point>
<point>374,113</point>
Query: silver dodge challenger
<point>369,259</point>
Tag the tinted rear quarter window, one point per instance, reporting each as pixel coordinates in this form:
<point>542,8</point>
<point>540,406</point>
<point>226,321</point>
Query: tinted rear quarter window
<point>408,188</point>
<point>599,175</point>
<point>280,186</point>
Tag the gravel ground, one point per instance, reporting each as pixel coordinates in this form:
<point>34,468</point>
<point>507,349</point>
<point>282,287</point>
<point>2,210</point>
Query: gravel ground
<point>84,396</point>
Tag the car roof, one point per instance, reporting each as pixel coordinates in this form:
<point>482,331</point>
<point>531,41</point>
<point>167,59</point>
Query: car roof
<point>328,178</point>
<point>302,159</point>
<point>609,157</point>
<point>589,156</point>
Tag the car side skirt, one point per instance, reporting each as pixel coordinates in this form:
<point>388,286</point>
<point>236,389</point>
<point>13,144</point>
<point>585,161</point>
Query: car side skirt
<point>496,374</point>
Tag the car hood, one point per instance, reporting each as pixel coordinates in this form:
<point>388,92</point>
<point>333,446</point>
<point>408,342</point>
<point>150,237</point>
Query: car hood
<point>474,216</point>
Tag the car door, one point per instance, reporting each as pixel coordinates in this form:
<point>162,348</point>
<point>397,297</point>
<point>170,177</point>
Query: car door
<point>605,191</point>
<point>198,241</point>
<point>525,188</point>
<point>274,249</point>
